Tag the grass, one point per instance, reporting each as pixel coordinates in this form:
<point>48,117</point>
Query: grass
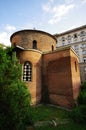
<point>43,113</point>
<point>70,126</point>
<point>48,113</point>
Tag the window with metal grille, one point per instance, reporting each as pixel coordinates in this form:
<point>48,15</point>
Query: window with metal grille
<point>27,71</point>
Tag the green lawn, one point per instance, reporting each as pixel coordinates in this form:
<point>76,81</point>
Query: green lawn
<point>46,112</point>
<point>49,113</point>
<point>70,126</point>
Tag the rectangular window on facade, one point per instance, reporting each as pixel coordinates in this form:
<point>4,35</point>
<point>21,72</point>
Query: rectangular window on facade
<point>84,59</point>
<point>83,45</point>
<point>76,47</point>
<point>63,44</point>
<point>69,39</point>
<point>75,37</point>
<point>63,39</point>
<point>84,52</point>
<point>82,34</point>
<point>85,68</point>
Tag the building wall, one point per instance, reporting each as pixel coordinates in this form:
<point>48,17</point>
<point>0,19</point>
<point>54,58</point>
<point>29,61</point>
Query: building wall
<point>25,39</point>
<point>77,39</point>
<point>75,73</point>
<point>57,78</point>
<point>53,73</point>
<point>34,86</point>
<point>83,71</point>
<point>25,52</point>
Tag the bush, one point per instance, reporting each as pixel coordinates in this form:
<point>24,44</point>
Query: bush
<point>15,110</point>
<point>83,86</point>
<point>82,95</point>
<point>79,114</point>
<point>15,107</point>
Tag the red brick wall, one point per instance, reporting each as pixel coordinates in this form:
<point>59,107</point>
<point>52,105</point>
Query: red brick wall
<point>75,73</point>
<point>57,77</point>
<point>34,86</point>
<point>25,38</point>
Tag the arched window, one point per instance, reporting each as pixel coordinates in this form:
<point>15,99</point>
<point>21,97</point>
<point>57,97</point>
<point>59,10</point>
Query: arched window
<point>27,71</point>
<point>69,37</point>
<point>63,39</point>
<point>52,48</point>
<point>34,44</point>
<point>75,37</point>
<point>75,66</point>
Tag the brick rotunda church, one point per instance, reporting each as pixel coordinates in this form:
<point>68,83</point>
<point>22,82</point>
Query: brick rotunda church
<point>51,74</point>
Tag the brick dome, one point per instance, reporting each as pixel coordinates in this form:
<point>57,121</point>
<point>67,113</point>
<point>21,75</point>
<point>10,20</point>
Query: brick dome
<point>34,39</point>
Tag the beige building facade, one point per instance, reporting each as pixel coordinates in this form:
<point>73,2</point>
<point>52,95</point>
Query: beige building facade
<point>77,39</point>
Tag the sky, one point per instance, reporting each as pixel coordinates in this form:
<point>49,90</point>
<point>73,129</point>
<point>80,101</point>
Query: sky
<point>52,16</point>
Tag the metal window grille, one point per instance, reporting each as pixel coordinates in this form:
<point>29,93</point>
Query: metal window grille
<point>27,71</point>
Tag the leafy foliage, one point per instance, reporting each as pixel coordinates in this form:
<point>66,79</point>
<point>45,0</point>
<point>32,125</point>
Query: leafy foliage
<point>78,114</point>
<point>2,46</point>
<point>15,110</point>
<point>82,96</point>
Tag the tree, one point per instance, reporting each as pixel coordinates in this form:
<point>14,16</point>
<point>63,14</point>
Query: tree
<point>15,110</point>
<point>2,46</point>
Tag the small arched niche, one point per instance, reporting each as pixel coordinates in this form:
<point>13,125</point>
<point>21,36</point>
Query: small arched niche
<point>34,44</point>
<point>52,48</point>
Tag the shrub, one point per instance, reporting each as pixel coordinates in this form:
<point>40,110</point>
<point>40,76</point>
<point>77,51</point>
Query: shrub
<point>83,86</point>
<point>82,95</point>
<point>15,110</point>
<point>79,114</point>
<point>15,107</point>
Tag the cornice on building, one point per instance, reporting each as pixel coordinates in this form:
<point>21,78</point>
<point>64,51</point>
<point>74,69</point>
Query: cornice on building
<point>70,31</point>
<point>61,48</point>
<point>23,49</point>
